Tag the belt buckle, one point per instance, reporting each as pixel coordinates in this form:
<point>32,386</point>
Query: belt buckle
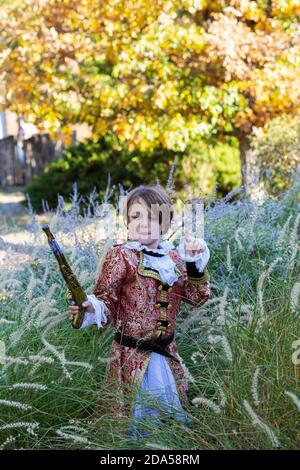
<point>139,342</point>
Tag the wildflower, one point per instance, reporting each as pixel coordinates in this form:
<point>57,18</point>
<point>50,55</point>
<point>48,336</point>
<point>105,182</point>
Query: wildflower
<point>294,398</point>
<point>223,397</point>
<point>207,402</point>
<point>16,404</point>
<point>228,259</point>
<point>236,236</point>
<point>7,441</point>
<point>254,387</point>
<point>214,339</point>
<point>30,385</point>
<point>72,437</point>
<point>196,354</point>
<point>257,422</point>
<point>221,317</point>
<point>295,294</point>
<point>153,445</point>
<point>30,426</point>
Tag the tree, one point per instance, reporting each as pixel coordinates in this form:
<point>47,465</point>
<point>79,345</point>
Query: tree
<point>159,73</point>
<point>277,149</point>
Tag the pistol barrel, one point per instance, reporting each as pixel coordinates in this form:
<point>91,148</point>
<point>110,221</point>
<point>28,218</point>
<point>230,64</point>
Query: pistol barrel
<point>74,287</point>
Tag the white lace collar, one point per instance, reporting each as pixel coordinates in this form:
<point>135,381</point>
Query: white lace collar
<point>163,264</point>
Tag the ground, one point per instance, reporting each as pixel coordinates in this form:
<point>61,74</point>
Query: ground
<point>14,218</point>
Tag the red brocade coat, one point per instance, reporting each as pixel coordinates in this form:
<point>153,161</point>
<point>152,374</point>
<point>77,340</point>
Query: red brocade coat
<point>131,293</point>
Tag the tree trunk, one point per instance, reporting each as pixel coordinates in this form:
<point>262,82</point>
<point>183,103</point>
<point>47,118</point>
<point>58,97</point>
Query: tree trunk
<point>244,149</point>
<point>250,168</point>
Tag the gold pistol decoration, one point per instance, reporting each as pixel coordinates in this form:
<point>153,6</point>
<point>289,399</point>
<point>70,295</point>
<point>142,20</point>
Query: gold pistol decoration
<point>76,293</point>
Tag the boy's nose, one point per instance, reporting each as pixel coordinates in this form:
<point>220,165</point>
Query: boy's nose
<point>144,225</point>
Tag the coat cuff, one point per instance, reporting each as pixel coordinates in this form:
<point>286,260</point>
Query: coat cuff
<point>98,317</point>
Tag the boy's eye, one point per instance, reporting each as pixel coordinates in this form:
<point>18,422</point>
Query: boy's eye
<point>136,215</point>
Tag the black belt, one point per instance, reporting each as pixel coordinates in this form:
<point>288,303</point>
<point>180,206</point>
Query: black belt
<point>146,344</point>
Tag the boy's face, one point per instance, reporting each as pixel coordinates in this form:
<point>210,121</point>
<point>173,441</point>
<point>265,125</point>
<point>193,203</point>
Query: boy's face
<point>143,226</point>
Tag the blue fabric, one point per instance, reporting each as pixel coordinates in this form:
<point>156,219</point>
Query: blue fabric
<point>157,397</point>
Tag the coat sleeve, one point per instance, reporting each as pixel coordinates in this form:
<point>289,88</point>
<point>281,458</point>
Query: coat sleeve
<point>196,288</point>
<point>110,281</point>
<point>196,285</point>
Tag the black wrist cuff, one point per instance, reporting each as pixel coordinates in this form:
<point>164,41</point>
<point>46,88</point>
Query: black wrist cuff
<point>192,270</point>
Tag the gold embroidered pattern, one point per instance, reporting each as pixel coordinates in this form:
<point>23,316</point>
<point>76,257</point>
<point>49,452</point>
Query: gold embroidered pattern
<point>137,383</point>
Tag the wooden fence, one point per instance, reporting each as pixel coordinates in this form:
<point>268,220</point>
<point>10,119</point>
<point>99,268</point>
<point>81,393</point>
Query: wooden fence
<point>21,160</point>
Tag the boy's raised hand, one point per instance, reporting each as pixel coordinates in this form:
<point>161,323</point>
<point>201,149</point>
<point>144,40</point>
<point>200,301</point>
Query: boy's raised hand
<point>193,246</point>
<point>73,309</point>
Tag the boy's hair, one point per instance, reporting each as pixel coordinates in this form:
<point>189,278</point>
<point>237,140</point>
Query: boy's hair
<point>152,194</point>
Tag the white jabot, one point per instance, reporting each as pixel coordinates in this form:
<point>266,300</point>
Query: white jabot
<point>163,264</point>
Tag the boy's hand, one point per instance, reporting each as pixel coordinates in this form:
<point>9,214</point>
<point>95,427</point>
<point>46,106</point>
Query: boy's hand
<point>73,309</point>
<point>193,246</point>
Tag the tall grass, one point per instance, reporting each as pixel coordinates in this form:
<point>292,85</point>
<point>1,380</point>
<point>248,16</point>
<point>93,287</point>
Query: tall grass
<point>237,348</point>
